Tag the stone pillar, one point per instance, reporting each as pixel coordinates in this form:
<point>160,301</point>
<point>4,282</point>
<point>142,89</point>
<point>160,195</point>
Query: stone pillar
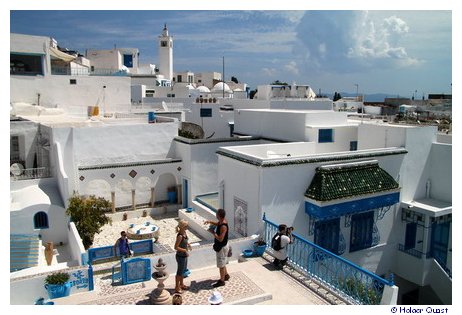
<point>113,201</point>
<point>153,196</point>
<point>133,199</point>
<point>179,196</point>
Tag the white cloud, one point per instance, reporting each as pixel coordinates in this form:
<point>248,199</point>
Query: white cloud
<point>352,40</point>
<point>292,68</point>
<point>271,72</point>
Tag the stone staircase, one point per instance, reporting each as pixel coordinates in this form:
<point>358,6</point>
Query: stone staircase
<point>24,251</point>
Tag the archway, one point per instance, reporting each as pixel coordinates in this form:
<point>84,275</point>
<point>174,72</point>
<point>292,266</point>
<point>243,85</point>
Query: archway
<point>99,188</point>
<point>123,193</point>
<point>164,182</point>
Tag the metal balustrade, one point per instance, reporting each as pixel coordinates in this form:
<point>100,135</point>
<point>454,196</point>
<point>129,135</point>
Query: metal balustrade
<point>32,173</point>
<point>340,275</point>
<point>87,72</point>
<point>411,251</point>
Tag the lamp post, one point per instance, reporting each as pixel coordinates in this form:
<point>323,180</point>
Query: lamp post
<point>357,87</point>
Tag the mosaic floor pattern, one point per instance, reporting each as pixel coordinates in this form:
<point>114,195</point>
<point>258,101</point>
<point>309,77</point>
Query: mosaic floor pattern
<point>238,287</point>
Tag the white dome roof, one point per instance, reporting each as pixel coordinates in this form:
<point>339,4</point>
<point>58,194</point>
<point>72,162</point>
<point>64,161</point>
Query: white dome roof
<point>203,89</point>
<point>219,87</point>
<point>190,87</point>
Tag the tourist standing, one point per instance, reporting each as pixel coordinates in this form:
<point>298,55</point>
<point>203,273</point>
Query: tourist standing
<point>181,246</point>
<point>283,238</point>
<point>220,246</point>
<point>122,245</point>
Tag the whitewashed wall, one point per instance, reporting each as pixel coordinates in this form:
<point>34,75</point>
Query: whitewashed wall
<point>56,91</point>
<point>242,181</point>
<point>202,169</point>
<point>281,125</point>
<point>441,172</point>
<point>22,219</point>
<point>26,132</point>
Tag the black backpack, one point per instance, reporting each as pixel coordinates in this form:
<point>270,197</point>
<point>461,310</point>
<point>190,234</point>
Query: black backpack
<point>276,242</point>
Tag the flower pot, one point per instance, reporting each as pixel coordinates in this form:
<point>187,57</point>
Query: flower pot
<point>259,249</point>
<point>58,290</point>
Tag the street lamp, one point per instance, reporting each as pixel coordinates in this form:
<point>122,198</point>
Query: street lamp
<point>357,87</point>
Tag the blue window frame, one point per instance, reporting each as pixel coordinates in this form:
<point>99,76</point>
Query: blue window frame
<point>362,226</point>
<point>325,135</point>
<point>353,145</point>
<point>128,61</point>
<point>326,234</point>
<point>411,232</point>
<point>206,112</point>
<point>41,220</point>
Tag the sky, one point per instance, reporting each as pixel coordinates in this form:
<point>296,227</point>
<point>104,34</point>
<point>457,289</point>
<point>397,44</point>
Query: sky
<point>397,52</point>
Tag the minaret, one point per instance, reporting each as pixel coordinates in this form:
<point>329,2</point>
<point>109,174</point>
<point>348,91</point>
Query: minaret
<point>166,54</point>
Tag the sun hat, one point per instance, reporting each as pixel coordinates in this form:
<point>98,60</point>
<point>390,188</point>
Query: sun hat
<point>216,298</point>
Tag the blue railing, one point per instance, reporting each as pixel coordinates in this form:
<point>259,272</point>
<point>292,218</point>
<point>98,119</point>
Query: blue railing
<point>429,255</point>
<point>411,251</point>
<point>107,252</point>
<point>337,273</point>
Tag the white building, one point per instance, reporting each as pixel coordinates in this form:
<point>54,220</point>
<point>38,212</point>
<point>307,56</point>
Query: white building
<point>378,195</point>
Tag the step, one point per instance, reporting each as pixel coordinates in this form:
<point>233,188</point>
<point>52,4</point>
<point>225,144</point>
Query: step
<point>317,287</point>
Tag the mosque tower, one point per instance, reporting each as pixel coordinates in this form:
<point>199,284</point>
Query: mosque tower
<point>166,54</point>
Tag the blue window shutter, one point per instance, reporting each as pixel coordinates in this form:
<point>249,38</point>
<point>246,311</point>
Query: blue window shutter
<point>411,231</point>
<point>361,231</point>
<point>325,135</point>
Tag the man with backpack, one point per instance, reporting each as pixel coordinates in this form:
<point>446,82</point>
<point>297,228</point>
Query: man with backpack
<point>279,244</point>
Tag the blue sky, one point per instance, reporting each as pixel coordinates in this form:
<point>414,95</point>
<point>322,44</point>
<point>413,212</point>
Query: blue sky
<point>394,52</point>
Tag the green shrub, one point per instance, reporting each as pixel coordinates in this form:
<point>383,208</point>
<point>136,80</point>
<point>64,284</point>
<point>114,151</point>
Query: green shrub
<point>57,278</point>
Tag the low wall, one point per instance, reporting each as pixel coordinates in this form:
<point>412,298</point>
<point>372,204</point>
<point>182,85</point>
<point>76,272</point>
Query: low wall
<point>26,290</point>
<point>75,244</point>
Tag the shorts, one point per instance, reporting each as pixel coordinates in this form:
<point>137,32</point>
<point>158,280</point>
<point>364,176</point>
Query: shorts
<point>222,257</point>
<point>182,262</point>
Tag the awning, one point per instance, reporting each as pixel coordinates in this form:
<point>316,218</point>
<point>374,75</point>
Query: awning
<point>60,55</point>
<point>349,188</point>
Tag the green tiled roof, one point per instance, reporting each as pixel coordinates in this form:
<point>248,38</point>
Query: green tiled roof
<point>349,180</point>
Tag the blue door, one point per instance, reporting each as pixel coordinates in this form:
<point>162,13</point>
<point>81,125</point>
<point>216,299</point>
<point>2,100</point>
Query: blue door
<point>185,194</point>
<point>439,243</point>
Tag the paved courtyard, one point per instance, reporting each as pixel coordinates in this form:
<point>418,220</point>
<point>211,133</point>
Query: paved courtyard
<point>167,224</point>
<point>252,282</point>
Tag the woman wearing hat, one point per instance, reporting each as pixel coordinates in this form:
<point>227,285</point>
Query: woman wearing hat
<point>181,246</point>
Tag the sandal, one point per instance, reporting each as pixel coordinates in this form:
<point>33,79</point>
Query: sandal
<point>185,287</point>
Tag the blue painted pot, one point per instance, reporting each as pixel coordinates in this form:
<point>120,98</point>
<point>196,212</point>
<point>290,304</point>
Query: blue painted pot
<point>259,249</point>
<point>248,253</point>
<point>58,290</point>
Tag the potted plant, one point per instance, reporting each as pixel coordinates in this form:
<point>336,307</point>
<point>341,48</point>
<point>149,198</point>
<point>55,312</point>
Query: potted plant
<point>259,247</point>
<point>58,285</point>
<point>171,192</point>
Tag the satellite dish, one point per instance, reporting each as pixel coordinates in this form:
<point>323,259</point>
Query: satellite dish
<point>194,129</point>
<point>16,169</point>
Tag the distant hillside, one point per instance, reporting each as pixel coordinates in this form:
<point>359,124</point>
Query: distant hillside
<point>377,97</point>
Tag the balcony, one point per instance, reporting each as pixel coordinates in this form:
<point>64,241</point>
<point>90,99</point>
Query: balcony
<point>31,173</point>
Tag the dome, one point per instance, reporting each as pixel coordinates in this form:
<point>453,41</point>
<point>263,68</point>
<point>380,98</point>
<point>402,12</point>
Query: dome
<point>203,89</point>
<point>219,87</point>
<point>190,87</point>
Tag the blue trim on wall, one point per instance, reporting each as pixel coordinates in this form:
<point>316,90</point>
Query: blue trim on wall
<point>350,207</point>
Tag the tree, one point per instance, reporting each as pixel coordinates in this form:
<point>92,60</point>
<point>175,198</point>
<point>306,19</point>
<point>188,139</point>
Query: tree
<point>88,215</point>
<point>234,79</point>
<point>337,96</point>
<point>277,82</point>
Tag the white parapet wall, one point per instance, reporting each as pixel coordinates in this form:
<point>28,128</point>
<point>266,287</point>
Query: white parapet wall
<point>390,295</point>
